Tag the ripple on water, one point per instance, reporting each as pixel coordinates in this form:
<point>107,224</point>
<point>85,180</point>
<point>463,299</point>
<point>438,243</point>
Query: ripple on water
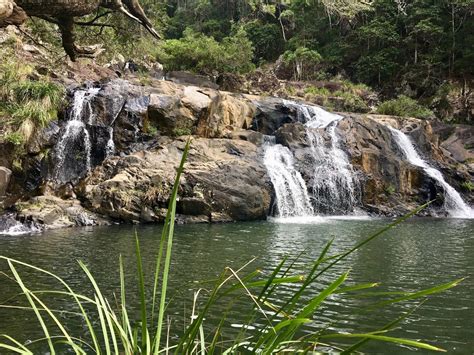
<point>419,254</point>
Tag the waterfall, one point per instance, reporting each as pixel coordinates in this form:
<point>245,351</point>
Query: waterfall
<point>453,202</point>
<point>333,185</point>
<point>290,189</point>
<point>76,131</point>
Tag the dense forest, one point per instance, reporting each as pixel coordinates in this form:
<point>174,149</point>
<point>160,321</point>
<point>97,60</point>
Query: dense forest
<point>403,50</point>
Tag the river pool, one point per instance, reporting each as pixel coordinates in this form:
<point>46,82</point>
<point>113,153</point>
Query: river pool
<point>417,254</point>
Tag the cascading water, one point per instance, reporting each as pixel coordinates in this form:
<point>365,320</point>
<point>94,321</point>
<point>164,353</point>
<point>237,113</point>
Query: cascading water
<point>453,202</point>
<point>333,184</point>
<point>76,132</point>
<point>10,226</point>
<point>291,193</point>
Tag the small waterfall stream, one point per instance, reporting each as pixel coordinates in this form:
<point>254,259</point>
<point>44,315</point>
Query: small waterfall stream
<point>76,132</point>
<point>454,205</point>
<point>333,185</point>
<point>291,193</point>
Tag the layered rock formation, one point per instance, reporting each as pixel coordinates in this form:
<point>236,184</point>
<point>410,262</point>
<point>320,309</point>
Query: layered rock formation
<point>225,178</point>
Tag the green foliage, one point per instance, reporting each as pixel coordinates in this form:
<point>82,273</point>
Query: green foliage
<point>182,132</point>
<point>202,54</point>
<point>341,95</point>
<point>468,186</point>
<point>25,100</point>
<point>304,62</point>
<point>266,39</point>
<point>390,189</point>
<point>109,325</point>
<point>15,138</point>
<point>405,107</point>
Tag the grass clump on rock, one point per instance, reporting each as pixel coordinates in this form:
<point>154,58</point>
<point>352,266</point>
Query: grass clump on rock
<point>26,104</point>
<point>404,106</point>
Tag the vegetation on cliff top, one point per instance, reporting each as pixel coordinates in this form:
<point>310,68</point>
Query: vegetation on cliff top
<point>420,49</point>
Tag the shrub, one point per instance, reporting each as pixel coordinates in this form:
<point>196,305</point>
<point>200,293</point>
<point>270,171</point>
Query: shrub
<point>204,55</point>
<point>266,38</point>
<point>348,98</point>
<point>390,189</point>
<point>404,106</point>
<point>182,131</point>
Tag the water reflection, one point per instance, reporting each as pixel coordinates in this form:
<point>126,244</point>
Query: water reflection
<point>419,254</point>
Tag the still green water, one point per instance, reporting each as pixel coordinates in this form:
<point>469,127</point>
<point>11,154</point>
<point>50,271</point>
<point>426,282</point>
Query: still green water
<point>418,254</point>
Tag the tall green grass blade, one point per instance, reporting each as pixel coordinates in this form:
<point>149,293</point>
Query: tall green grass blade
<point>33,305</point>
<point>103,326</point>
<point>102,307</point>
<point>123,302</point>
<point>20,346</point>
<point>356,287</point>
<point>141,291</point>
<point>388,326</point>
<point>15,349</point>
<point>170,219</point>
<point>372,237</point>
<point>420,294</point>
<point>385,338</point>
<point>272,276</point>
<point>159,261</point>
<point>70,291</point>
<point>53,317</point>
<point>306,312</point>
<point>291,303</point>
<point>311,307</point>
<point>286,272</point>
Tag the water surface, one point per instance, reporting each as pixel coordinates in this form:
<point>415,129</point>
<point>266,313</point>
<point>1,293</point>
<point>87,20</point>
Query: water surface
<point>418,254</point>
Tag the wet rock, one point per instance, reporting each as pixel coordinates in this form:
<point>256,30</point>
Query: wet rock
<point>457,141</point>
<point>52,213</point>
<point>11,224</point>
<point>170,116</point>
<point>5,175</point>
<point>271,114</point>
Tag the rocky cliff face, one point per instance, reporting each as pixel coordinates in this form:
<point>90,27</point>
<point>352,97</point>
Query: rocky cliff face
<point>225,178</point>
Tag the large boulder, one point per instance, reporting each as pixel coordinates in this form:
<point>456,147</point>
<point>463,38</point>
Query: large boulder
<point>224,180</point>
<point>224,115</point>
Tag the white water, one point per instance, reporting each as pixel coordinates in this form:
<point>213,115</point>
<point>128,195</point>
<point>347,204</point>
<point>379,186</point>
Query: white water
<point>18,228</point>
<point>333,184</point>
<point>291,193</point>
<point>76,128</point>
<point>110,147</point>
<point>453,202</point>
